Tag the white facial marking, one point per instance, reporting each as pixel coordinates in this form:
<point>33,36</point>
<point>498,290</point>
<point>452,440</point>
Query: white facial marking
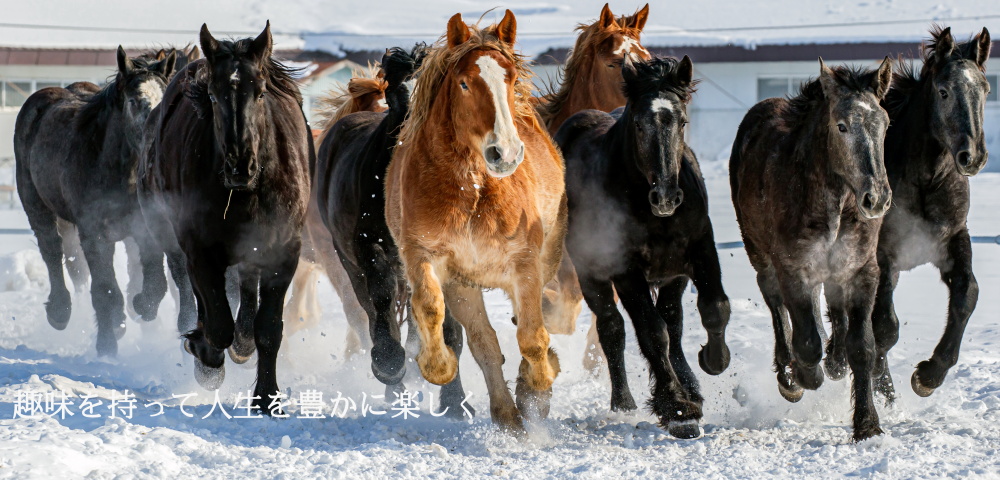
<point>662,104</point>
<point>235,77</point>
<point>503,125</point>
<point>150,90</point>
<point>629,46</point>
<point>969,75</point>
<point>865,106</point>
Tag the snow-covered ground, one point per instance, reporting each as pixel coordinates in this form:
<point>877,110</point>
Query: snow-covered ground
<point>750,431</point>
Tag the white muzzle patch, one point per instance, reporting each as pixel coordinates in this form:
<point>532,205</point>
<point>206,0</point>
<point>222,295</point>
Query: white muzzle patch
<point>502,148</point>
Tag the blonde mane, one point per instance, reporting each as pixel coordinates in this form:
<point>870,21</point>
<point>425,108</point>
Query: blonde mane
<point>580,58</point>
<point>338,103</point>
<point>441,59</point>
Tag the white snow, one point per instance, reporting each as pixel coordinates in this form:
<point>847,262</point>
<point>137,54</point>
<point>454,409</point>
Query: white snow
<point>750,431</point>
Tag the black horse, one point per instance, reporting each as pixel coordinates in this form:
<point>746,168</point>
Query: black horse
<point>810,188</point>
<point>934,143</point>
<point>350,185</point>
<point>76,150</point>
<point>225,181</point>
<point>638,219</point>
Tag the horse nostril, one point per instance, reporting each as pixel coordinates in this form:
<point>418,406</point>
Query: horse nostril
<point>964,158</point>
<point>678,198</point>
<point>654,198</point>
<point>492,154</point>
<point>868,202</point>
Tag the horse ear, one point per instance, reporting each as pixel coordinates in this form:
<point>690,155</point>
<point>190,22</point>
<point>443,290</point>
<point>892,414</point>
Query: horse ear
<point>193,54</point>
<point>262,45</point>
<point>607,18</point>
<point>883,79</point>
<point>124,63</point>
<point>944,44</point>
<point>458,31</point>
<point>209,44</point>
<point>640,17</point>
<point>161,54</point>
<point>826,79</point>
<point>685,70</point>
<point>981,45</point>
<point>507,29</point>
<point>166,66</point>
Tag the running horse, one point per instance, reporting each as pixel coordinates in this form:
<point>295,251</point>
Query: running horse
<point>592,80</point>
<point>475,198</point>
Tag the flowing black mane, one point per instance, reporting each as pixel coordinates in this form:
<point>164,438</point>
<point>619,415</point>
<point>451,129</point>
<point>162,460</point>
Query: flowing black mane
<point>93,117</point>
<point>854,78</point>
<point>657,75</point>
<point>280,78</point>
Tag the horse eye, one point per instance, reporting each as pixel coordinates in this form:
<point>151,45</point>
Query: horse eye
<point>261,96</point>
<point>212,98</point>
<point>464,86</point>
<point>842,127</point>
<point>943,92</point>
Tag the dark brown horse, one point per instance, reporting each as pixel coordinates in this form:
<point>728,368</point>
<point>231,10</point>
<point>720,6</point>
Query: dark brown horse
<point>77,149</point>
<point>810,188</point>
<point>225,181</point>
<point>934,143</point>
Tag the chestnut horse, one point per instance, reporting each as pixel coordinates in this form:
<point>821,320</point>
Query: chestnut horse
<point>592,80</point>
<point>363,93</point>
<point>475,198</point>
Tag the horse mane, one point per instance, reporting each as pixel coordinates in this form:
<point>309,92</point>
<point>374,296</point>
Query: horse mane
<point>280,79</point>
<point>581,56</point>
<point>97,108</point>
<point>338,103</point>
<point>438,63</point>
<point>905,80</point>
<point>658,75</point>
<point>854,78</point>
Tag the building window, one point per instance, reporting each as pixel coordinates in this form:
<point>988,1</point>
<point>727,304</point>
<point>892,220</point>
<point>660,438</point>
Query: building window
<point>13,93</point>
<point>994,95</point>
<point>781,86</point>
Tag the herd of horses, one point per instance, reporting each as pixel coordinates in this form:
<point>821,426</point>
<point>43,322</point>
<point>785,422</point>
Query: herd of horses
<point>438,175</point>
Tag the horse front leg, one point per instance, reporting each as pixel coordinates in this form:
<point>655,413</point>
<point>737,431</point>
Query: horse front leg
<point>215,329</point>
<point>381,279</point>
<point>244,338</point>
<point>539,363</point>
<point>670,403</point>
<point>861,350</point>
<point>713,305</point>
<point>956,272</point>
<point>107,297</point>
<point>437,362</point>
<point>274,279</point>
<point>807,343</point>
<point>771,291</point>
<point>610,327</point>
<point>466,305</point>
<point>668,305</point>
<point>187,309</point>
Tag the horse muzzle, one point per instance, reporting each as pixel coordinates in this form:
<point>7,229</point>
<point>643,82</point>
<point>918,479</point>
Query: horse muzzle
<point>874,204</point>
<point>665,201</point>
<point>969,162</point>
<point>502,160</point>
<point>236,178</point>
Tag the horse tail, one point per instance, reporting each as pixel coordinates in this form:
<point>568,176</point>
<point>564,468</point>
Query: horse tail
<point>399,66</point>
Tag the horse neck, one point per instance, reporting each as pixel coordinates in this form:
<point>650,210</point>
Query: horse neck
<point>910,150</point>
<point>397,97</point>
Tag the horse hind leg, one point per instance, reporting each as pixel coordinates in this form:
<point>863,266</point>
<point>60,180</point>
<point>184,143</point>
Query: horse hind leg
<point>452,393</point>
<point>243,339</point>
<point>885,325</point>
<point>153,281</point>
<point>835,361</point>
<point>610,327</point>
<point>562,299</point>
<point>963,295</point>
<point>187,310</point>
<point>76,262</point>
<point>466,304</point>
<point>298,312</point>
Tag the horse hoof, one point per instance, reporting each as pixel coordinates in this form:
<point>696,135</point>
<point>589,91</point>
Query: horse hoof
<point>204,353</point>
<point>623,402</point>
<point>864,433</point>
<point>209,378</point>
<point>119,330</point>
<point>532,403</point>
<point>58,314</point>
<point>510,421</point>
<point>918,387</point>
<point>238,358</point>
<point>685,430</point>
<point>714,361</point>
<point>242,349</point>
<point>106,347</point>
<point>835,370</point>
<point>807,377</point>
<point>790,392</point>
<point>389,362</point>
<point>388,378</point>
